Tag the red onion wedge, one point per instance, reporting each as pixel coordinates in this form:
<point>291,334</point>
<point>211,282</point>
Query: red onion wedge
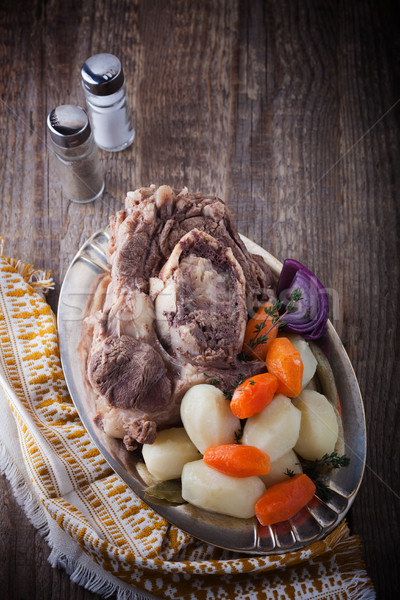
<point>310,318</point>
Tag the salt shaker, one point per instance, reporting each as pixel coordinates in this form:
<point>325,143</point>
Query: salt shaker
<point>104,84</point>
<point>77,155</point>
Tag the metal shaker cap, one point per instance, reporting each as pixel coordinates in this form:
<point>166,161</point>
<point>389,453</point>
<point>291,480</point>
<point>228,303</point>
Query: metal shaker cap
<point>68,125</point>
<point>102,74</point>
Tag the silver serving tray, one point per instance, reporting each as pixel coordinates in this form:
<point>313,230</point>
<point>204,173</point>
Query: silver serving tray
<point>242,535</point>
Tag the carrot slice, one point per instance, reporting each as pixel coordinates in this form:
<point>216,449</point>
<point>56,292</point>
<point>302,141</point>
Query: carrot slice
<point>284,361</point>
<point>283,500</point>
<point>250,345</point>
<point>237,460</point>
<point>253,395</point>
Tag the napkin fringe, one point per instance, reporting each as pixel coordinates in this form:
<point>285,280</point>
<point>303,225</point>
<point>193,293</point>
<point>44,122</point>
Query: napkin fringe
<point>39,279</point>
<point>358,584</point>
<point>23,494</point>
<point>91,581</point>
<point>36,515</point>
<point>348,551</point>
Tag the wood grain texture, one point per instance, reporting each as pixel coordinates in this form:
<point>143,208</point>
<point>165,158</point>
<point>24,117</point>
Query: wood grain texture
<point>287,110</point>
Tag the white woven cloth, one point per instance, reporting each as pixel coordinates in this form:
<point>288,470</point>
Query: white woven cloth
<point>65,552</point>
<point>106,538</point>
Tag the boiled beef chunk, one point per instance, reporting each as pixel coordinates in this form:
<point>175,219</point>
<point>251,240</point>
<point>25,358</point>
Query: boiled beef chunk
<point>154,220</point>
<point>131,375</point>
<point>129,312</point>
<point>200,302</point>
<point>171,314</point>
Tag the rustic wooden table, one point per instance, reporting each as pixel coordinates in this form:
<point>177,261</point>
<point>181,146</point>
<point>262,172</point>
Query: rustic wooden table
<point>288,110</point>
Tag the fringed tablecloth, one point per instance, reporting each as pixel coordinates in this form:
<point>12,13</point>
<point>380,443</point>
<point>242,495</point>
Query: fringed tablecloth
<point>104,536</point>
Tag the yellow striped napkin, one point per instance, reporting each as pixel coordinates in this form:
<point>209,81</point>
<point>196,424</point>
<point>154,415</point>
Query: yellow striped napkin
<point>106,538</point>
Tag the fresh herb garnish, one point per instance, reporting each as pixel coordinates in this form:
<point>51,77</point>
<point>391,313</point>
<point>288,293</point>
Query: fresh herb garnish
<point>317,469</point>
<point>166,491</point>
<point>252,382</point>
<point>289,472</point>
<point>328,461</point>
<point>239,380</point>
<point>271,313</point>
<point>239,434</point>
<point>213,380</point>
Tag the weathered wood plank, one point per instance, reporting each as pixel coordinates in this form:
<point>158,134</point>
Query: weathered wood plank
<point>281,108</point>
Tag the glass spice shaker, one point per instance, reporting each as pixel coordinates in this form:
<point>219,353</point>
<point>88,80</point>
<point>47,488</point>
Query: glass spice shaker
<point>77,155</point>
<point>103,82</point>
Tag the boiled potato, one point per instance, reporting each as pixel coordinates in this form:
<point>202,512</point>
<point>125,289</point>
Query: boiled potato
<point>207,488</point>
<point>275,429</point>
<point>170,451</point>
<point>319,428</point>
<point>308,359</point>
<point>207,417</point>
<point>288,462</point>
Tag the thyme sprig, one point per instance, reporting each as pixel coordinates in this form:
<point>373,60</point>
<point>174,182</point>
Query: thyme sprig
<point>241,377</point>
<point>328,461</point>
<point>213,380</point>
<point>317,469</point>
<point>239,380</point>
<point>239,434</point>
<point>277,320</point>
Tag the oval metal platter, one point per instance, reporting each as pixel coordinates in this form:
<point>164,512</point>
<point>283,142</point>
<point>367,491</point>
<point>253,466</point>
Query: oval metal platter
<point>240,535</point>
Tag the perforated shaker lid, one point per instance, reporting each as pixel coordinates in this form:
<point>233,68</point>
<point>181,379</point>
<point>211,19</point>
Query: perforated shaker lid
<point>68,125</point>
<point>102,74</point>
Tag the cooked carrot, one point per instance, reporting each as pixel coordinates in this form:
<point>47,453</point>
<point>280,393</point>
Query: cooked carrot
<point>284,361</point>
<point>253,395</point>
<point>283,501</point>
<point>251,346</point>
<point>237,460</point>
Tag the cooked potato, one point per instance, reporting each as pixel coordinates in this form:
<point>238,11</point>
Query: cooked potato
<point>207,488</point>
<point>319,427</point>
<point>275,429</point>
<point>167,455</point>
<point>288,462</point>
<point>308,359</point>
<point>207,417</point>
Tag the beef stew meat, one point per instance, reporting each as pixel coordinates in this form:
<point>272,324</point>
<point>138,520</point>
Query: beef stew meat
<point>173,312</point>
<point>200,302</point>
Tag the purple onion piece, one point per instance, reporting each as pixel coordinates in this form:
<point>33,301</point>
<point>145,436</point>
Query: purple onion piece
<point>312,310</point>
